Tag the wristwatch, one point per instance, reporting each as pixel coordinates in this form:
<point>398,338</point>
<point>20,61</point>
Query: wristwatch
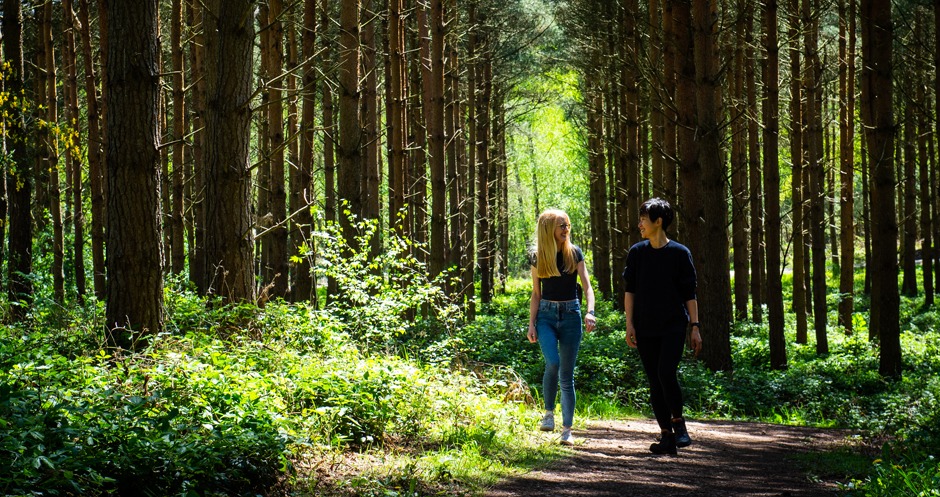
<point>695,324</point>
<point>591,312</point>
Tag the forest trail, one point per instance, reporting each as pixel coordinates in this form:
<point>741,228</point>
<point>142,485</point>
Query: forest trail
<point>727,458</point>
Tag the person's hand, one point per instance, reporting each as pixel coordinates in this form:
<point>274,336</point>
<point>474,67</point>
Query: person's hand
<point>532,335</point>
<point>631,335</point>
<point>590,322</point>
<point>696,340</point>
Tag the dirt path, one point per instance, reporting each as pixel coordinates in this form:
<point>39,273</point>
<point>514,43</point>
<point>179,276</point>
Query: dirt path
<point>726,458</point>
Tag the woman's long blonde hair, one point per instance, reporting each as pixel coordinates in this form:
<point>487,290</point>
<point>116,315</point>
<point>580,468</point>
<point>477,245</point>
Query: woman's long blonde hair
<point>546,249</point>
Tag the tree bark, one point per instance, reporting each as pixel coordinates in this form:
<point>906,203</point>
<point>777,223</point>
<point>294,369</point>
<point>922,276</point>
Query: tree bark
<point>483,172</point>
<point>811,151</point>
<point>877,112</point>
<point>923,167</point>
<point>304,288</point>
<point>135,286</point>
<point>19,173</point>
<point>847,162</point>
<point>197,265</point>
<point>739,171</point>
<point>329,136</point>
<point>771,130</point>
<point>370,161</point>
<point>229,242</point>
<point>436,137</point>
<point>278,262</point>
<point>714,249</point>
<point>94,156</point>
<point>758,277</point>
<point>796,154</point>
<point>689,199</point>
<point>178,257</point>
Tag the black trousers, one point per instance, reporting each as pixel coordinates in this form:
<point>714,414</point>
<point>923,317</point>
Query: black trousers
<point>660,357</point>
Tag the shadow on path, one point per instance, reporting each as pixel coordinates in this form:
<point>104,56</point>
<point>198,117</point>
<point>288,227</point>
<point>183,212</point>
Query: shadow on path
<point>727,458</point>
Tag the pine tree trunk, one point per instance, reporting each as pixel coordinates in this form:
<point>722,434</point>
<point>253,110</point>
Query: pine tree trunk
<point>908,240</point>
<point>197,266</point>
<point>471,214</point>
<point>771,117</point>
<point>228,71</point>
<point>52,162</point>
<point>19,177</point>
<point>847,162</point>
<point>94,156</point>
<point>689,200</point>
<point>370,161</point>
<point>278,261</point>
<point>436,138</point>
<point>925,197</point>
<point>814,193</point>
<point>758,278</point>
<point>304,288</point>
<point>135,286</point>
<point>714,247</point>
<point>739,171</point>
<point>178,257</point>
<point>796,154</point>
<point>877,113</point>
<point>671,72</point>
<point>483,179</point>
<point>329,136</point>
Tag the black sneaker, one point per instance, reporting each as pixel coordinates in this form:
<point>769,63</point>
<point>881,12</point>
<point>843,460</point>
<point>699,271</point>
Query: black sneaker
<point>667,445</point>
<point>682,435</point>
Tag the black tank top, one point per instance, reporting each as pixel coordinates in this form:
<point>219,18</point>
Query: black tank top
<point>560,288</point>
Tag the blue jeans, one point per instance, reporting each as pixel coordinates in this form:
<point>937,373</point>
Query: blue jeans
<point>559,328</point>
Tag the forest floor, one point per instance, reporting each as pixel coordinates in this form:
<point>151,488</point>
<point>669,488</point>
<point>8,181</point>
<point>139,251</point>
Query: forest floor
<point>726,458</point>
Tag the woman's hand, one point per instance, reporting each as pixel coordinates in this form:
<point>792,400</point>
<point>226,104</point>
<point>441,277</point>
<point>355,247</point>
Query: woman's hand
<point>532,335</point>
<point>631,335</point>
<point>696,339</point>
<point>590,322</point>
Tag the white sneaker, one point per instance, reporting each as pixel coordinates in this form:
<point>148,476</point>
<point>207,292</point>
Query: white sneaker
<point>566,437</point>
<point>548,422</point>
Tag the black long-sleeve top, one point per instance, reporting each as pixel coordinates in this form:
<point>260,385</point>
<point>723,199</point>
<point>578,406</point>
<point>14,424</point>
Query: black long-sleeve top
<point>661,280</point>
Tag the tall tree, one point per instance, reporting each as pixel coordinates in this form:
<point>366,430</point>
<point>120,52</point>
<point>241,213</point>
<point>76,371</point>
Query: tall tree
<point>278,261</point>
<point>304,287</point>
<point>877,113</point>
<point>178,257</point>
<point>796,154</point>
<point>815,189</point>
<point>51,159</point>
<point>94,154</point>
<point>739,185</point>
<point>714,248</point>
<point>435,123</point>
<point>73,160</point>
<point>758,270</point>
<point>19,172</point>
<point>847,161</point>
<point>228,64</point>
<point>771,132</point>
<point>923,167</point>
<point>370,160</point>
<point>350,133</point>
<point>484,252</point>
<point>197,263</point>
<point>135,279</point>
<point>908,193</point>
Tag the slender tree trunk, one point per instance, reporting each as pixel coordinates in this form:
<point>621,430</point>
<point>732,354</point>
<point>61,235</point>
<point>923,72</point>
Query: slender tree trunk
<point>714,249</point>
<point>135,286</point>
<point>739,171</point>
<point>19,176</point>
<point>94,156</point>
<point>329,135</point>
<point>811,151</point>
<point>908,241</point>
<point>483,179</point>
<point>456,178</point>
<point>472,180</point>
<point>629,83</point>
<point>304,288</point>
<point>51,160</point>
<point>771,130</point>
<point>228,72</point>
<point>178,257</point>
<point>866,217</point>
<point>657,119</point>
<point>847,162</point>
<point>598,185</point>
<point>877,112</point>
<point>925,190</point>
<point>278,261</point>
<point>370,160</point>
<point>689,199</point>
<point>4,206</point>
<point>436,138</point>
<point>418,150</point>
<point>758,277</point>
<point>197,266</point>
<point>671,71</point>
<point>796,154</point>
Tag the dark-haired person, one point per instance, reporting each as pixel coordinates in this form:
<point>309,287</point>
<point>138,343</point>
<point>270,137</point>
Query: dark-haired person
<point>659,302</point>
<point>555,313</point>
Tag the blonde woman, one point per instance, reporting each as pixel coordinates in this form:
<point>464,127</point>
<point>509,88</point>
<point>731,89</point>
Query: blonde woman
<point>555,313</point>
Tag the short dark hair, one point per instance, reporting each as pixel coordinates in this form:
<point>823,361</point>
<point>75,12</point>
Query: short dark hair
<point>657,208</point>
